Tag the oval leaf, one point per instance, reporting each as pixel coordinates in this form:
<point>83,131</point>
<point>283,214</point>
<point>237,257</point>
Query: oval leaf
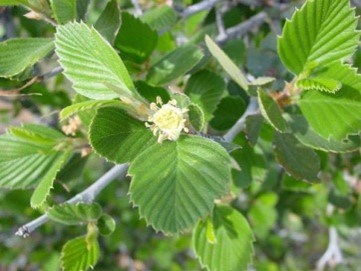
<point>271,111</point>
<point>298,160</point>
<point>233,249</point>
<point>18,54</point>
<point>79,254</point>
<point>117,136</point>
<point>175,183</point>
<point>335,115</point>
<point>321,32</point>
<point>89,62</point>
<point>75,214</point>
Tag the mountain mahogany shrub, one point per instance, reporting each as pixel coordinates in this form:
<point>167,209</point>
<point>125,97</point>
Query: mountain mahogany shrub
<point>164,110</point>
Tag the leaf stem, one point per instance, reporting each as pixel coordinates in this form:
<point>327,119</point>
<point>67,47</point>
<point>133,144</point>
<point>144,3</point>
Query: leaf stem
<point>333,254</point>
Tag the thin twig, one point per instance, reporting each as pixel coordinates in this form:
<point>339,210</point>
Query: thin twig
<point>242,28</point>
<point>201,6</point>
<point>222,34</point>
<point>333,254</point>
<point>87,195</point>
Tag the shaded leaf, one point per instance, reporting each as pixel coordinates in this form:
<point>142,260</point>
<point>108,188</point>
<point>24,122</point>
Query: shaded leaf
<point>196,117</point>
<point>135,39</point>
<point>298,160</point>
<point>106,225</point>
<point>271,111</point>
<point>64,10</point>
<point>174,64</point>
<point>109,21</point>
<point>119,137</point>
<point>150,92</point>
<point>206,89</point>
<point>229,110</point>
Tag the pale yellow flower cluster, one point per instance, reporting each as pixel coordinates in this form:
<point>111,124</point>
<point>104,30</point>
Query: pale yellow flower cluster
<point>167,121</point>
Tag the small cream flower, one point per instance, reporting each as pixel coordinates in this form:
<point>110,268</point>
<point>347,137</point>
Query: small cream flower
<point>167,121</point>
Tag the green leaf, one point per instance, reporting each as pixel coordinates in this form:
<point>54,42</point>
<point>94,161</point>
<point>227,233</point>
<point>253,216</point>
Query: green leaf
<point>321,32</point>
<point>18,54</point>
<point>335,115</point>
<point>271,111</point>
<point>75,214</point>
<point>106,225</point>
<point>150,92</point>
<point>24,164</point>
<point>89,105</point>
<point>64,10</point>
<point>227,64</point>
<point>90,62</point>
<point>13,2</point>
<point>298,160</point>
<point>263,214</point>
<point>196,117</point>
<point>229,110</point>
<point>160,18</point>
<point>175,183</point>
<point>174,64</point>
<point>109,21</point>
<point>42,190</point>
<point>252,163</point>
<point>37,134</point>
<point>305,134</point>
<point>77,254</point>
<point>234,247</point>
<point>206,89</point>
<point>137,47</point>
<point>253,127</point>
<point>262,81</point>
<point>317,83</point>
<point>119,137</point>
<point>81,9</point>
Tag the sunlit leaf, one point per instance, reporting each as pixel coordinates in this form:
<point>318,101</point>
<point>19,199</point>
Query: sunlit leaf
<point>234,247</point>
<point>176,182</point>
<point>321,32</point>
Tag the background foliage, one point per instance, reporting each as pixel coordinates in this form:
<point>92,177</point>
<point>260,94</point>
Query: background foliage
<point>299,184</point>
